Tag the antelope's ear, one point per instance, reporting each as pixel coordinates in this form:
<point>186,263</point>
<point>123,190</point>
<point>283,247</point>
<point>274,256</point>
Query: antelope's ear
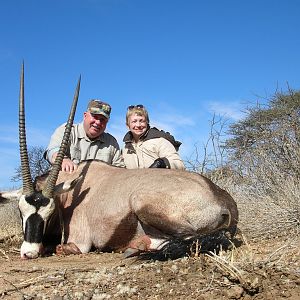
<point>10,195</point>
<point>67,185</point>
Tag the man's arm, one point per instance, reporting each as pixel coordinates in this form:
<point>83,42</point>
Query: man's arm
<point>53,148</point>
<point>117,159</point>
<point>67,164</point>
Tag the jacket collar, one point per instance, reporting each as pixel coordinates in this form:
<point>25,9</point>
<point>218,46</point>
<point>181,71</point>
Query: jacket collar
<point>128,138</point>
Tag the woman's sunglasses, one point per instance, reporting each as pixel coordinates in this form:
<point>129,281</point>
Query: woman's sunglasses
<point>135,106</point>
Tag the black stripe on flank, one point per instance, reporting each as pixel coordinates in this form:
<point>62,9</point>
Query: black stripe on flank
<point>34,229</point>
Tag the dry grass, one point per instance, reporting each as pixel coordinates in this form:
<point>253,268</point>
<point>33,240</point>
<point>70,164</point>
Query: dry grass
<point>10,222</point>
<point>266,215</point>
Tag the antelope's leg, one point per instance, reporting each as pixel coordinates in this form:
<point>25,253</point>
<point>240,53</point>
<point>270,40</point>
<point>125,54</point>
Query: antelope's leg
<point>67,249</point>
<point>142,244</point>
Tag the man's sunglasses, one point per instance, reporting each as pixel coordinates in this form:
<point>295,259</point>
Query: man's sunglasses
<point>130,107</point>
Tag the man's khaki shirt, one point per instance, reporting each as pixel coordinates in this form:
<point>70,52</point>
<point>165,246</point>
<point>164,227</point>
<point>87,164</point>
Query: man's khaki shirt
<point>105,147</point>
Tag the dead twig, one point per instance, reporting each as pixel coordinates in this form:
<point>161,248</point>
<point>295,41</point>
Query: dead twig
<point>225,265</point>
<point>4,254</point>
<point>13,289</point>
<point>46,278</point>
<point>209,285</point>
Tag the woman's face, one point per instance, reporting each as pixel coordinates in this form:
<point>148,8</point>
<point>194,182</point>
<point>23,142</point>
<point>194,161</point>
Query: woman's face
<point>94,124</point>
<point>137,125</point>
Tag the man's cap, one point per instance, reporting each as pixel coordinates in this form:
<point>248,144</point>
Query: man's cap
<point>99,107</point>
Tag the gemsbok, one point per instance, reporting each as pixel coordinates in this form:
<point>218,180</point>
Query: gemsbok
<point>104,207</point>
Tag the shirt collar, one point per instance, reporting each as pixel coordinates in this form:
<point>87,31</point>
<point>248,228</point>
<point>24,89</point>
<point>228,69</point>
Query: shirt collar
<point>82,134</point>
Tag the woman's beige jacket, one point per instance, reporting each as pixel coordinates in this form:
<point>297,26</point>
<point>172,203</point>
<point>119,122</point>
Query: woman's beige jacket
<point>152,145</point>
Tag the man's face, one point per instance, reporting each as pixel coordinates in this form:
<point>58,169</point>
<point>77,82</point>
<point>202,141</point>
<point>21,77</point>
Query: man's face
<point>137,125</point>
<point>94,124</point>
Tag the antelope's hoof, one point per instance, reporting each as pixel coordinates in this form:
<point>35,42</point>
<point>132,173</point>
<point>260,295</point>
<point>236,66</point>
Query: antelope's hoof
<point>131,252</point>
<point>141,244</point>
<point>67,249</point>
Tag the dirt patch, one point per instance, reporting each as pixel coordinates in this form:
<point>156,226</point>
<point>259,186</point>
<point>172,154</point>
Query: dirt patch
<point>268,269</point>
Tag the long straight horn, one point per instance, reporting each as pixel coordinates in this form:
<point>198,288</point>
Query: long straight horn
<point>27,180</point>
<point>48,191</point>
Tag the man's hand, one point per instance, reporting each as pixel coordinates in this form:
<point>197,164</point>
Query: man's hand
<point>67,164</point>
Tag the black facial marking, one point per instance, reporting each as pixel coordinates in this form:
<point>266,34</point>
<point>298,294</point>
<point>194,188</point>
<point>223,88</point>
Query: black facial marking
<point>34,229</point>
<point>37,200</point>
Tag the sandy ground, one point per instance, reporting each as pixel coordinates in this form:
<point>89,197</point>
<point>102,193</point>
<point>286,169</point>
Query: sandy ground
<point>268,269</point>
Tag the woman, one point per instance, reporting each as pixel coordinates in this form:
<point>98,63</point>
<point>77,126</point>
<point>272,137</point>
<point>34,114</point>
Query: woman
<point>147,147</point>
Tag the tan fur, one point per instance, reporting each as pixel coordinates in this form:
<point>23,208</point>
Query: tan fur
<point>111,207</point>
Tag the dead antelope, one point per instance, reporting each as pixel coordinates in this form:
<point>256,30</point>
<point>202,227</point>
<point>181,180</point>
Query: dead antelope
<point>106,207</point>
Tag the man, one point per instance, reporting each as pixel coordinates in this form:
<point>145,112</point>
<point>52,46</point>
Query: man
<point>88,139</point>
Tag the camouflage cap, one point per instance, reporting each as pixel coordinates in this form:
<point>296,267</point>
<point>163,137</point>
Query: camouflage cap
<point>99,107</point>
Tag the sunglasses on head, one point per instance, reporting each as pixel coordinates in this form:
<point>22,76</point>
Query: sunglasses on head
<point>135,106</point>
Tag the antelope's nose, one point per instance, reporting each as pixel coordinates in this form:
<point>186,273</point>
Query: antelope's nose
<point>29,255</point>
<point>31,250</point>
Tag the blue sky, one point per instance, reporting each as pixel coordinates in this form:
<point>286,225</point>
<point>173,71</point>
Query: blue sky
<point>183,59</point>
